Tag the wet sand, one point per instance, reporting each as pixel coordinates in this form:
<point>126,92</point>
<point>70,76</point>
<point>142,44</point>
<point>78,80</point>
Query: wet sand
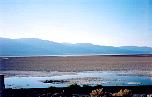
<point>76,63</point>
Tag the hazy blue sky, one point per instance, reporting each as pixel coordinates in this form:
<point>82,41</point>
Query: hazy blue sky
<point>104,22</point>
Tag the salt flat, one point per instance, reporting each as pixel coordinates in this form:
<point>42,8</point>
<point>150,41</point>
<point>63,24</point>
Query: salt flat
<point>77,63</point>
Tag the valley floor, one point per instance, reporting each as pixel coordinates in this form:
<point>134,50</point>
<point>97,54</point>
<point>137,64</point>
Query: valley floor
<point>77,63</point>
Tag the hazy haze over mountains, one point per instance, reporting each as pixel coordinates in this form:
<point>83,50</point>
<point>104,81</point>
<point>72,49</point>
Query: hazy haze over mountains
<point>34,46</point>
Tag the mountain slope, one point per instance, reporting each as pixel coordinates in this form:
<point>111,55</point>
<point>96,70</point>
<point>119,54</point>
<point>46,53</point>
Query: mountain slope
<point>33,46</point>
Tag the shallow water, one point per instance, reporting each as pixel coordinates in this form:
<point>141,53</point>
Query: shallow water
<point>105,78</point>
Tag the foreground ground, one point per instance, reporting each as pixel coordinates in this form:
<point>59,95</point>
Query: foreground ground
<point>77,63</point>
<point>25,65</point>
<point>85,91</point>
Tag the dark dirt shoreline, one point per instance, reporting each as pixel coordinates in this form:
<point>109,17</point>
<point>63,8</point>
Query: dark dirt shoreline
<point>69,91</point>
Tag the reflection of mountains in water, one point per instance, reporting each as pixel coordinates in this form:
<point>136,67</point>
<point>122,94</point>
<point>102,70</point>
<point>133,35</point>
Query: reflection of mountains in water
<point>31,46</point>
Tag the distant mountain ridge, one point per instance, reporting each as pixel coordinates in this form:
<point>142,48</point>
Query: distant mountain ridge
<point>34,46</point>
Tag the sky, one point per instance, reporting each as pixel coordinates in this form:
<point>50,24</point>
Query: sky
<point>101,22</point>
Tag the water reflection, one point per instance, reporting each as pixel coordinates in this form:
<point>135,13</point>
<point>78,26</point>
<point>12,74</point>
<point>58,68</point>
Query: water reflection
<point>105,78</point>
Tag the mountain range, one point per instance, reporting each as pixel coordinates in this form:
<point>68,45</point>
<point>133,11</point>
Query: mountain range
<point>34,46</point>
